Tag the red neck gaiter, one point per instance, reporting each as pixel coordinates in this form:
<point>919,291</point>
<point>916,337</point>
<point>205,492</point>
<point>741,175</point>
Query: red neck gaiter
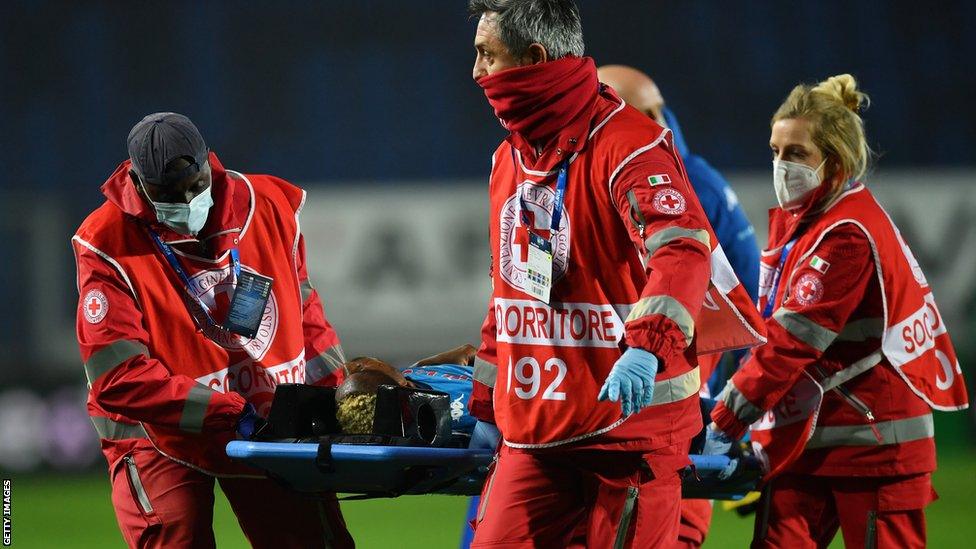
<point>537,101</point>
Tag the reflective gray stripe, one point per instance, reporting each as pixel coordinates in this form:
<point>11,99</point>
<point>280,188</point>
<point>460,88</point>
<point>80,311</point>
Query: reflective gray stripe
<point>112,355</point>
<point>625,515</point>
<point>115,430</point>
<point>851,371</point>
<point>862,329</point>
<point>484,499</point>
<point>664,236</point>
<point>136,481</point>
<point>734,400</point>
<point>195,408</point>
<point>485,372</point>
<point>669,307</point>
<point>805,329</point>
<point>306,287</point>
<point>892,432</point>
<point>323,365</point>
<point>871,535</point>
<point>677,388</point>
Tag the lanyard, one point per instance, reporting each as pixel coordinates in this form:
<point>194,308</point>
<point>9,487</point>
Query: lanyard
<point>562,180</point>
<point>170,256</point>
<point>768,311</point>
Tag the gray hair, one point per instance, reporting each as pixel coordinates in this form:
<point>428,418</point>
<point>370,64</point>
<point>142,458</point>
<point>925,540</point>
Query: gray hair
<point>553,23</point>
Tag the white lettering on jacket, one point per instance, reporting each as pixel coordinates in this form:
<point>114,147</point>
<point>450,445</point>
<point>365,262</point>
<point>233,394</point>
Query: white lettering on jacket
<point>249,378</point>
<point>915,335</point>
<point>529,322</point>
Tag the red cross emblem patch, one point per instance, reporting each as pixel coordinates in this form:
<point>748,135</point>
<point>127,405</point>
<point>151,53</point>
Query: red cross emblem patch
<point>808,289</point>
<point>669,201</point>
<point>94,306</point>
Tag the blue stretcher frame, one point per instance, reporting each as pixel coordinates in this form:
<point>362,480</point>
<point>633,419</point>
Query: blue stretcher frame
<point>389,471</point>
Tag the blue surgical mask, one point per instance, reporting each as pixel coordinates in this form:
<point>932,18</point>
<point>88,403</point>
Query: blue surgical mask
<point>185,218</point>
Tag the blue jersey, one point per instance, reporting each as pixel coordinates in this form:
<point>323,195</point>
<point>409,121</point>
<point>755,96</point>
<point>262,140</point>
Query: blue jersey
<point>453,379</point>
<point>721,205</point>
<point>733,229</point>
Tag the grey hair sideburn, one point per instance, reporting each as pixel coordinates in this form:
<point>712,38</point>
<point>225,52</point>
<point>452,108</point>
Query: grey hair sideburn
<point>555,24</point>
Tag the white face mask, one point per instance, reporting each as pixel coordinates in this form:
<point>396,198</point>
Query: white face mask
<point>185,218</point>
<point>793,182</point>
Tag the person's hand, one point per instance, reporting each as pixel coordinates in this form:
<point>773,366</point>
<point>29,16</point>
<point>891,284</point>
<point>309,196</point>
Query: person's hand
<point>729,469</point>
<point>631,381</point>
<point>463,355</point>
<point>249,422</point>
<point>717,443</point>
<point>485,436</point>
<point>364,363</point>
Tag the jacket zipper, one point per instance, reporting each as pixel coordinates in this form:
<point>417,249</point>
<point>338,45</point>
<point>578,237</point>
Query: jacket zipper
<point>637,218</point>
<point>635,214</point>
<point>858,405</point>
<point>137,486</point>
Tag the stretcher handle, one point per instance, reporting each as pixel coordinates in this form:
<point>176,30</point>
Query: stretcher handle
<point>709,463</point>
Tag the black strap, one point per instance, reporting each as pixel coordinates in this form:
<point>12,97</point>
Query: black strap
<point>323,457</point>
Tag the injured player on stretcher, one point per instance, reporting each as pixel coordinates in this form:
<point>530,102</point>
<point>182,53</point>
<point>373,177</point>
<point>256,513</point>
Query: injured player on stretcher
<point>356,396</point>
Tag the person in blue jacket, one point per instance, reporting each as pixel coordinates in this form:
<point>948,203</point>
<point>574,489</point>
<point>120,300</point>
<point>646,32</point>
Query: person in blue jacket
<point>733,229</point>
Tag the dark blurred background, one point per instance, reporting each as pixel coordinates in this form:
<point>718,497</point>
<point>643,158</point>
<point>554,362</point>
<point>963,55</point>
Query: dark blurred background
<point>370,105</point>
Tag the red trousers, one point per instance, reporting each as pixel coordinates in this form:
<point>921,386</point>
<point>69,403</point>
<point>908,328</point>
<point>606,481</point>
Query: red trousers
<point>806,511</point>
<point>161,503</point>
<point>696,516</point>
<point>623,499</point>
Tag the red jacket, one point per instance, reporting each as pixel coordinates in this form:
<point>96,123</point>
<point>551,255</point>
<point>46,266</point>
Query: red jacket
<point>632,262</point>
<point>154,367</point>
<point>832,312</point>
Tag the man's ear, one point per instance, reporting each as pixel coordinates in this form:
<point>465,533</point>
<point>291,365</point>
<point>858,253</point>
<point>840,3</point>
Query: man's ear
<point>134,177</point>
<point>535,54</point>
<point>140,189</point>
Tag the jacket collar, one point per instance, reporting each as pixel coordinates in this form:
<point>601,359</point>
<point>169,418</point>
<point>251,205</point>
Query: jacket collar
<point>231,209</point>
<point>784,224</point>
<point>571,140</point>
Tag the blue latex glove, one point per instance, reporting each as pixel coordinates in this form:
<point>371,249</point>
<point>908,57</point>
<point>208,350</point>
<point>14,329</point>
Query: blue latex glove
<point>717,443</point>
<point>485,436</point>
<point>249,422</point>
<point>727,472</point>
<point>631,381</point>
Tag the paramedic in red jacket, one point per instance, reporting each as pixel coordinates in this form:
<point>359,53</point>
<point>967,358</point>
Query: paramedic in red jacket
<point>850,316</point>
<point>602,265</point>
<point>173,375</point>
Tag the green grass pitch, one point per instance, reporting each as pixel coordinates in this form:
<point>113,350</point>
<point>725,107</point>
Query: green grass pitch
<point>74,511</point>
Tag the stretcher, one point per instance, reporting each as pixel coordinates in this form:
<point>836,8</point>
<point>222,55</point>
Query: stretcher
<point>411,451</point>
<point>390,471</point>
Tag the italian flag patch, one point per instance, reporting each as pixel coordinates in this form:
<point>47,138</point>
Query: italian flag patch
<point>660,179</point>
<point>819,264</point>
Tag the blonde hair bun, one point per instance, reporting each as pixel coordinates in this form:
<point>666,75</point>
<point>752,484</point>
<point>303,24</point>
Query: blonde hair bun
<point>843,89</point>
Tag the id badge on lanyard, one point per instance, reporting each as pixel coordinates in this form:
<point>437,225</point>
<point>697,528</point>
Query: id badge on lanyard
<point>538,280</point>
<point>777,277</point>
<point>251,293</point>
